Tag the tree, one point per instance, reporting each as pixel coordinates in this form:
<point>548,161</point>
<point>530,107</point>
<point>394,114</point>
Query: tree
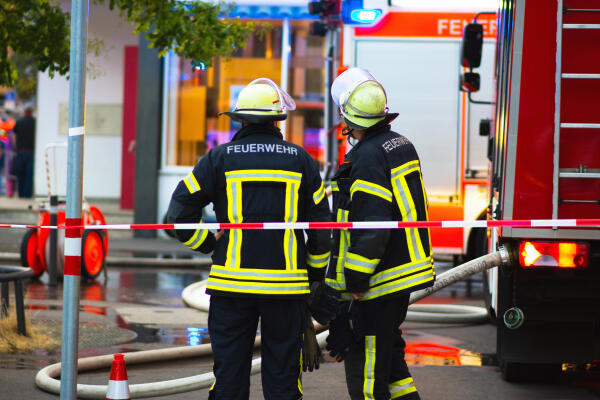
<point>39,31</point>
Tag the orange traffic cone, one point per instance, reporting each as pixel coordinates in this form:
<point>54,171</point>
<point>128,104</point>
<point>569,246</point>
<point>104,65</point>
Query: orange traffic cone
<point>118,388</point>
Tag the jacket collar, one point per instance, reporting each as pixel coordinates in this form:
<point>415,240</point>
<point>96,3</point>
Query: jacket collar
<point>371,133</point>
<point>263,129</point>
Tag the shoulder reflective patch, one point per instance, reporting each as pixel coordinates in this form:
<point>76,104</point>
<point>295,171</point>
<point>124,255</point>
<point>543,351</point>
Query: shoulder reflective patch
<point>319,194</point>
<point>191,183</point>
<point>370,188</point>
<point>405,168</point>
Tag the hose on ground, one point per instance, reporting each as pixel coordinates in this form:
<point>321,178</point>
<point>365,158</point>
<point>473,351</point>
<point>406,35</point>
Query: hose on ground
<point>46,377</point>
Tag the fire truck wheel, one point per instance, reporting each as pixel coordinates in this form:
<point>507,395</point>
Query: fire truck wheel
<point>30,255</point>
<point>529,372</point>
<point>92,254</point>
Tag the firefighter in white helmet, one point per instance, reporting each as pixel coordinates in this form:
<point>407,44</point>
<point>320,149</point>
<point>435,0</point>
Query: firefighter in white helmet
<point>257,274</point>
<point>375,270</point>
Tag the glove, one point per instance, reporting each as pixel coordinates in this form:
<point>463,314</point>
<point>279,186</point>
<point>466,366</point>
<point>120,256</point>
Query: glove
<point>311,353</point>
<point>341,337</point>
<point>323,302</point>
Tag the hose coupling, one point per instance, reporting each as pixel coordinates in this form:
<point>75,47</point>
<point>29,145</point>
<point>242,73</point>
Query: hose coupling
<point>504,253</point>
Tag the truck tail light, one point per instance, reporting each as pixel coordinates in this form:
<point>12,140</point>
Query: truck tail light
<point>554,254</point>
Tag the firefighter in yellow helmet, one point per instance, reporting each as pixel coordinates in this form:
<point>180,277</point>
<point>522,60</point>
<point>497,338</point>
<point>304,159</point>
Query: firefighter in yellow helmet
<point>257,274</point>
<point>374,271</point>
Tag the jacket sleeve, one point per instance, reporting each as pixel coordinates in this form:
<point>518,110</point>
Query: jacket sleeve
<point>318,244</point>
<point>191,195</point>
<point>371,199</point>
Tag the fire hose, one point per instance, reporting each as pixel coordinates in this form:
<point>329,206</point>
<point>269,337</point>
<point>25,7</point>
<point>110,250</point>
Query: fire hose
<point>46,377</point>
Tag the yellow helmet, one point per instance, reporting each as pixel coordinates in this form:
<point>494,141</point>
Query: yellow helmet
<point>360,97</point>
<point>262,100</point>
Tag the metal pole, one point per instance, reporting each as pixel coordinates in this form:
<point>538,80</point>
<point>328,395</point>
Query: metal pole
<point>72,270</point>
<point>19,307</point>
<point>5,299</point>
<point>285,66</point>
<point>331,39</point>
<point>53,240</point>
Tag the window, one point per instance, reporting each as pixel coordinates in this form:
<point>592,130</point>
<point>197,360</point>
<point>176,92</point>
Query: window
<point>195,94</point>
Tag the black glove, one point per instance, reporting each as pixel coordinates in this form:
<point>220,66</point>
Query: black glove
<point>341,337</point>
<point>323,302</point>
<point>311,353</point>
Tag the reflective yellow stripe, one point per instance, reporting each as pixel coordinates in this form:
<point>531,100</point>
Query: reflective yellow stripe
<point>319,194</point>
<point>213,385</point>
<point>276,288</point>
<point>399,284</point>
<point>400,271</point>
<point>258,175</point>
<point>334,186</point>
<point>407,207</point>
<point>290,244</point>
<point>337,285</point>
<point>342,216</point>
<point>191,183</point>
<point>356,262</point>
<point>317,260</point>
<point>197,238</point>
<point>256,274</point>
<point>370,188</point>
<point>402,388</point>
<point>369,371</point>
<point>234,213</point>
<point>300,372</point>
<point>234,180</point>
<point>414,239</point>
<point>404,168</point>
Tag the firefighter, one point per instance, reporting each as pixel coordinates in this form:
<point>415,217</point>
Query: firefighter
<point>257,274</point>
<point>375,270</point>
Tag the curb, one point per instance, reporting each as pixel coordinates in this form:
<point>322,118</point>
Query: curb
<point>132,261</point>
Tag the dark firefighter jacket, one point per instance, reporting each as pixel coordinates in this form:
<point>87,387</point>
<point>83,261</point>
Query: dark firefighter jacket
<point>380,180</point>
<point>257,177</point>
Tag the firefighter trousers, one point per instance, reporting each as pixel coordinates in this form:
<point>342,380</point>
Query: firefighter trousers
<point>232,324</point>
<point>375,367</point>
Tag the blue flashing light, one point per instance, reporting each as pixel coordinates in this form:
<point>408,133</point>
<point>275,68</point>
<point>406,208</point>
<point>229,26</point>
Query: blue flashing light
<point>200,66</point>
<point>355,13</point>
<point>363,16</point>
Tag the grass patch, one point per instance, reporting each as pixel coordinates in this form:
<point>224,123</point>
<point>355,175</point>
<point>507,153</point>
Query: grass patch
<point>12,342</point>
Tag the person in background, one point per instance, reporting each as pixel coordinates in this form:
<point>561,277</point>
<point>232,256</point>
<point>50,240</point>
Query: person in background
<point>24,131</point>
<point>375,270</point>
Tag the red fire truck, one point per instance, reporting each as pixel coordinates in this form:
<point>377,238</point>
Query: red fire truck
<point>412,48</point>
<point>544,152</point>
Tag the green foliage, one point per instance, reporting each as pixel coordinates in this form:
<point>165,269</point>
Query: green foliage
<point>40,30</point>
<point>33,28</point>
<point>192,29</point>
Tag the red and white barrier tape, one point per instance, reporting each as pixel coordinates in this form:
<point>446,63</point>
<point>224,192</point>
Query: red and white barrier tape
<point>527,223</point>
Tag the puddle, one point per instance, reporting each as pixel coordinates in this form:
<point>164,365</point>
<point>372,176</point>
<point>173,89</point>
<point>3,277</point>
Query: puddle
<point>424,353</point>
